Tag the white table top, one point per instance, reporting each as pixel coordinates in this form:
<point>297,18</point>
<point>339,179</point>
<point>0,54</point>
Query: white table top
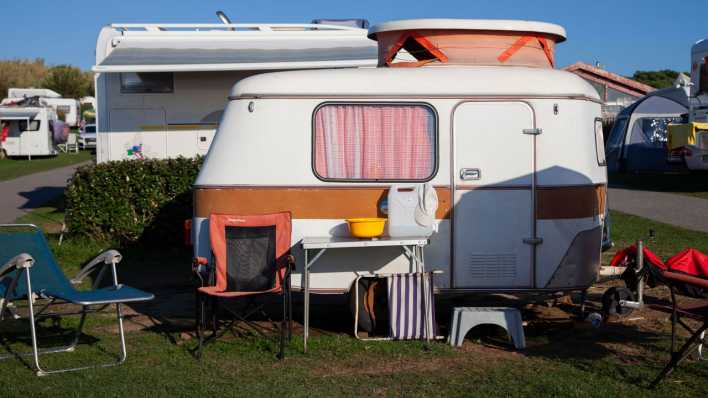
<point>331,242</point>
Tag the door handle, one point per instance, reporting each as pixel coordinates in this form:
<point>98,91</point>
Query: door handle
<point>470,174</point>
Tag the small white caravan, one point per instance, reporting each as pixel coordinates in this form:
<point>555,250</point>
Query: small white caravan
<point>28,131</point>
<point>161,88</point>
<point>512,146</point>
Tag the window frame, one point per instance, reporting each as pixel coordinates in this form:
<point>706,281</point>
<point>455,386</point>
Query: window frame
<point>602,163</point>
<point>123,90</point>
<point>436,141</point>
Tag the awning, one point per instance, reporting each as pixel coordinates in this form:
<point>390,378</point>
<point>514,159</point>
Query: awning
<point>141,59</point>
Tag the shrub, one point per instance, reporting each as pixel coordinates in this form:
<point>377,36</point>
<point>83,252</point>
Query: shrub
<point>132,200</point>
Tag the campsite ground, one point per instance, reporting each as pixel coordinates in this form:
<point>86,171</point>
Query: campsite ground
<point>565,356</point>
<point>13,168</point>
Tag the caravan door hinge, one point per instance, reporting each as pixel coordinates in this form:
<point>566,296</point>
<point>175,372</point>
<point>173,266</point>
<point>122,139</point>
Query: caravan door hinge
<point>533,241</point>
<point>535,131</point>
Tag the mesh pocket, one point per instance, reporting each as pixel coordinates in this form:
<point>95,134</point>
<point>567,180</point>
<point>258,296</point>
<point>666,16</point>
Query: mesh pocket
<point>250,258</point>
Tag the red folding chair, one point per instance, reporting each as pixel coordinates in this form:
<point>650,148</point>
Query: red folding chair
<point>250,258</point>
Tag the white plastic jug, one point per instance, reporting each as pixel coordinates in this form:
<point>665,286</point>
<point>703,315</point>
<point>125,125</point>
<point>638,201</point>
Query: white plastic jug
<point>411,210</point>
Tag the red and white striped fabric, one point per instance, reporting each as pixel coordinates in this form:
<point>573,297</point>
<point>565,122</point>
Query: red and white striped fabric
<point>374,142</point>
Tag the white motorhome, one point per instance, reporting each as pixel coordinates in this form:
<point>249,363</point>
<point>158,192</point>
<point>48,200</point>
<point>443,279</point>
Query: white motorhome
<point>512,146</point>
<point>67,109</point>
<point>29,131</point>
<point>161,88</point>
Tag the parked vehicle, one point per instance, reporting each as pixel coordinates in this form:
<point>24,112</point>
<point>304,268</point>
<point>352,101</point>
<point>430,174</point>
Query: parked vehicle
<point>160,88</point>
<point>67,109</point>
<point>29,131</point>
<point>512,147</point>
<point>87,137</point>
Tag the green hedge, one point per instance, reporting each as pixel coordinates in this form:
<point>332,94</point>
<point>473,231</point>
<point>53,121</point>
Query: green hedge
<point>132,200</point>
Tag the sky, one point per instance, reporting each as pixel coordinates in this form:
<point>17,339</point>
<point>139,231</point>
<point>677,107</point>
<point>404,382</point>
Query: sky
<point>623,36</point>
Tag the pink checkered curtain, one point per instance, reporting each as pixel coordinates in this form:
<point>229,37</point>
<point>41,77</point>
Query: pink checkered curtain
<point>374,142</point>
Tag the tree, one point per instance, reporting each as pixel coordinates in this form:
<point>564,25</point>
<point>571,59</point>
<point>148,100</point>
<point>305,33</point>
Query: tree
<point>21,73</point>
<point>657,79</point>
<point>69,81</point>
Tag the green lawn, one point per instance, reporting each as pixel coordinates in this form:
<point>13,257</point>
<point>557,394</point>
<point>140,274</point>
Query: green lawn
<point>694,184</point>
<point>564,357</point>
<point>16,167</point>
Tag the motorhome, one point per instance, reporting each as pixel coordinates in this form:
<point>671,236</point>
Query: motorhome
<point>161,88</point>
<point>512,147</point>
<point>29,131</point>
<point>67,109</point>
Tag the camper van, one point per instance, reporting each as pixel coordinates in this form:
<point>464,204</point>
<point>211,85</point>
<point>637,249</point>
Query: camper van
<point>512,147</point>
<point>67,109</point>
<point>29,131</point>
<point>161,88</point>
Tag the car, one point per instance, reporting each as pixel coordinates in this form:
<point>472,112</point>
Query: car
<point>87,137</point>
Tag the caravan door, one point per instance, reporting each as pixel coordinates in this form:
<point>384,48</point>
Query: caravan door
<point>493,217</point>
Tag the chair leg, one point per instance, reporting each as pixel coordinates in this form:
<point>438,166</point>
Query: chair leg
<point>290,309</point>
<point>200,321</point>
<point>283,324</point>
<point>677,357</point>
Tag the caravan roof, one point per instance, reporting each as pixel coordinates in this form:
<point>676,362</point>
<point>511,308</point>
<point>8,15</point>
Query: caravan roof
<point>222,47</point>
<point>458,81</point>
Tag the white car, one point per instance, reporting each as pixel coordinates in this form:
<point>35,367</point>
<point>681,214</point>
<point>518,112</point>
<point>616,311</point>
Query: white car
<point>87,137</point>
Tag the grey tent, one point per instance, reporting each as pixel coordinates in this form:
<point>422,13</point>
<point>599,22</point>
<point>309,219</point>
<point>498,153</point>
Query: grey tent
<point>637,142</point>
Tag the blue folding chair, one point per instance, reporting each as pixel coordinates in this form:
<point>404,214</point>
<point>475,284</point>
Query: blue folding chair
<point>30,273</point>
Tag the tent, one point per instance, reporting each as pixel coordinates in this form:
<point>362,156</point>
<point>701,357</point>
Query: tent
<point>637,142</point>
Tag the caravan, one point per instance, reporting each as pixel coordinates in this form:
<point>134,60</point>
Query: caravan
<point>67,109</point>
<point>512,147</point>
<point>161,88</point>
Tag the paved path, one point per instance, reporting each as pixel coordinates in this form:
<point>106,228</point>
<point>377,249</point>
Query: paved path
<point>31,191</point>
<point>680,210</point>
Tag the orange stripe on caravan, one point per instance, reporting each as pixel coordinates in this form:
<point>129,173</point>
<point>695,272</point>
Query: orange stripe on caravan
<point>349,202</point>
<point>302,202</point>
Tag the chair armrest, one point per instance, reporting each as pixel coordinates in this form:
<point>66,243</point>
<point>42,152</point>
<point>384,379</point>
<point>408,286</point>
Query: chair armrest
<point>291,262</point>
<point>691,280</point>
<point>22,260</point>
<point>202,270</point>
<point>109,257</point>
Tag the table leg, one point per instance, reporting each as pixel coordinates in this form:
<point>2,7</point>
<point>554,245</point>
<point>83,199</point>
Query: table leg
<point>306,330</point>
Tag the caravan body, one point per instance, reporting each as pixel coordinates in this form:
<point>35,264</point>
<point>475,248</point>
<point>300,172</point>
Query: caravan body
<point>29,131</point>
<point>161,88</point>
<point>514,153</point>
<point>67,109</point>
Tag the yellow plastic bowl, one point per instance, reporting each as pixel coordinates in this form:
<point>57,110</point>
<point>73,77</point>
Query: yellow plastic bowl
<point>366,227</point>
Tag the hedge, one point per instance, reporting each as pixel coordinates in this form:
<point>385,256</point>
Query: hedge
<point>132,200</point>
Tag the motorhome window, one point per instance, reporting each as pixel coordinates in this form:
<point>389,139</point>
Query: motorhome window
<point>703,82</point>
<point>33,125</point>
<point>374,142</point>
<point>63,109</point>
<point>146,82</point>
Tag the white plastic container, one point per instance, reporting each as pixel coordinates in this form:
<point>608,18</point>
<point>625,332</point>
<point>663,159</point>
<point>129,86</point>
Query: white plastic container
<point>403,200</point>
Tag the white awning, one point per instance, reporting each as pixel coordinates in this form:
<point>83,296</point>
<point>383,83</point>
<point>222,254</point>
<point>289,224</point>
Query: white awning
<point>156,59</point>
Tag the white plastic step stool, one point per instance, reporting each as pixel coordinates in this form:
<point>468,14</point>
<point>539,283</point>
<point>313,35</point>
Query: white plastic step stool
<point>465,318</point>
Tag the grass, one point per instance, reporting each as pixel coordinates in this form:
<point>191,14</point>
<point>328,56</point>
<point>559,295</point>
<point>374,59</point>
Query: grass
<point>693,184</point>
<point>18,167</point>
<point>563,358</point>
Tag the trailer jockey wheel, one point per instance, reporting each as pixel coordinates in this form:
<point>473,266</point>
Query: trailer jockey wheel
<point>611,302</point>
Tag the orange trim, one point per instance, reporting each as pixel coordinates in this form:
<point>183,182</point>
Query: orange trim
<point>396,47</point>
<point>523,41</point>
<point>520,43</point>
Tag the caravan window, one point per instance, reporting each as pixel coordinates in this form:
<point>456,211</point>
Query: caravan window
<point>33,125</point>
<point>599,143</point>
<point>374,142</point>
<point>146,83</point>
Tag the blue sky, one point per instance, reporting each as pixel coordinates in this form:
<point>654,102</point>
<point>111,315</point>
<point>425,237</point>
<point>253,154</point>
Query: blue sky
<point>622,35</point>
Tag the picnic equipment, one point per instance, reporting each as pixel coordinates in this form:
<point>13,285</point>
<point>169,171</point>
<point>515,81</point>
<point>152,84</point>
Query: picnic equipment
<point>466,318</point>
<point>30,273</point>
<point>366,227</point>
<point>250,258</point>
<point>686,274</point>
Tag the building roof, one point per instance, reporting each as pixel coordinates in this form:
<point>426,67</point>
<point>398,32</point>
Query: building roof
<point>557,31</point>
<point>417,82</point>
<point>612,80</point>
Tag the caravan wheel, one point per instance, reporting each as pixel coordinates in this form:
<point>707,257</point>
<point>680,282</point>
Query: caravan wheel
<point>3,154</point>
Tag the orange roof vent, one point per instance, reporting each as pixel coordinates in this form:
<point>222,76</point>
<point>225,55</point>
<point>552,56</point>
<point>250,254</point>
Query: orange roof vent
<point>440,42</point>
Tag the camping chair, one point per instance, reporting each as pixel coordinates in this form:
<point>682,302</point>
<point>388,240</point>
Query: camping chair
<point>250,258</point>
<point>30,273</point>
<point>697,311</point>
